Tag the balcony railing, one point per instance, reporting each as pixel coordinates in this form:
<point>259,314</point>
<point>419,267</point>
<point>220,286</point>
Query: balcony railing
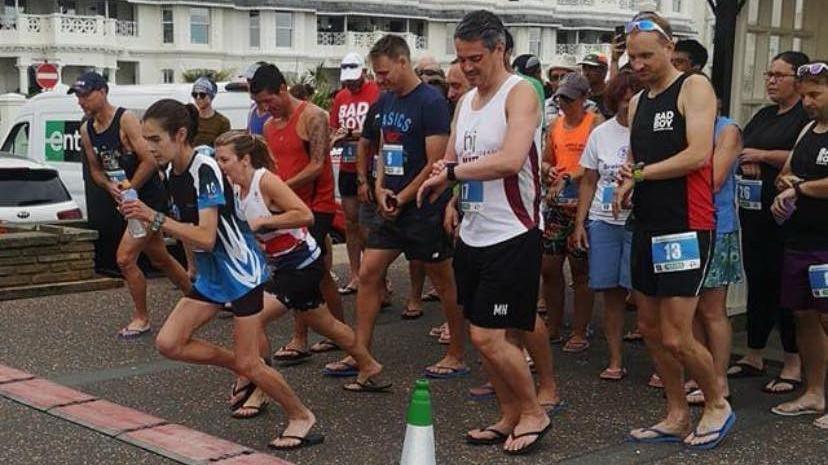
<point>365,40</point>
<point>619,4</point>
<point>67,25</point>
<point>126,28</point>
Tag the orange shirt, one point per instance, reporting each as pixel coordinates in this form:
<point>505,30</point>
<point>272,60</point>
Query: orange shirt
<point>568,144</point>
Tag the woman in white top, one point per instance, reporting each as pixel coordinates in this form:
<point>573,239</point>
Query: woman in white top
<point>603,235</point>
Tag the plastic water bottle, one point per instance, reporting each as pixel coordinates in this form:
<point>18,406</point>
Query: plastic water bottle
<point>134,226</point>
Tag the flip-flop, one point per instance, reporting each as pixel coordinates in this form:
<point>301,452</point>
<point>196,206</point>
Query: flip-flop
<point>821,422</point>
<point>800,410</point>
<point>484,392</point>
<point>443,339</point>
<point>310,439</point>
<point>576,347</point>
<point>325,345</point>
<point>660,437</point>
<point>746,370</point>
<point>698,398</point>
<point>532,445</point>
<point>347,290</point>
<point>632,336</point>
<point>245,391</point>
<point>451,372</point>
<point>369,385</point>
<point>430,296</point>
<point>655,382</point>
<point>411,314</point>
<point>613,374</point>
<point>259,409</point>
<point>352,370</point>
<point>554,409</point>
<point>768,388</point>
<point>127,333</point>
<point>721,434</point>
<point>556,340</point>
<point>499,438</point>
<point>295,356</point>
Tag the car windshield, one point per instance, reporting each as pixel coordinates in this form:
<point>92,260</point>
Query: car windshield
<point>26,187</point>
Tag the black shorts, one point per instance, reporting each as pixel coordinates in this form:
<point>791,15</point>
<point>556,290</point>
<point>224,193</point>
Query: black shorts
<point>497,285</point>
<point>418,234</point>
<point>246,305</point>
<point>322,224</point>
<point>347,184</point>
<point>298,289</point>
<point>667,284</point>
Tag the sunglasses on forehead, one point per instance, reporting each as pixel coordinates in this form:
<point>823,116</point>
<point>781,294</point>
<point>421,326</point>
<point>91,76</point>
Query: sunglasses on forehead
<point>645,25</point>
<point>813,69</point>
<point>198,95</point>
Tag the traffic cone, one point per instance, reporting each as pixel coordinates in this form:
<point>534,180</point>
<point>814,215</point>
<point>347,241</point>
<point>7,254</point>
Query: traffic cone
<point>418,448</point>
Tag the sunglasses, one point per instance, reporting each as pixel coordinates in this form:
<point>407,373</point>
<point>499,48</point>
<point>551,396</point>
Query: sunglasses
<point>349,66</point>
<point>429,72</point>
<point>813,69</point>
<point>198,95</point>
<point>645,25</point>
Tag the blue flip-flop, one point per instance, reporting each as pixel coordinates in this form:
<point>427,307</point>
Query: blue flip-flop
<point>722,433</point>
<point>347,373</point>
<point>554,409</point>
<point>452,373</point>
<point>660,438</point>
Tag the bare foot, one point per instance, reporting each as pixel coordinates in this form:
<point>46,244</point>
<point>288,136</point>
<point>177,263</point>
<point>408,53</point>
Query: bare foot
<point>710,427</point>
<point>805,404</point>
<point>503,426</point>
<point>298,427</point>
<point>447,365</point>
<point>527,424</point>
<point>677,429</point>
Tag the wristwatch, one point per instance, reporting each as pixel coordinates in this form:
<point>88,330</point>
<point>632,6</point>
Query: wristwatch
<point>157,222</point>
<point>638,172</point>
<point>450,172</point>
<point>798,188</point>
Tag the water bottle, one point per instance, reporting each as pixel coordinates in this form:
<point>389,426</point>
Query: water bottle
<point>134,226</point>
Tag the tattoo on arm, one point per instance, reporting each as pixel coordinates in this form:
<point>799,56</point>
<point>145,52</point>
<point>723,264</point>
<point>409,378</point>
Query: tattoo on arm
<point>318,137</point>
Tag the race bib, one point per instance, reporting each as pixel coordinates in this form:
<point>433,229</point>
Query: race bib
<point>676,252</point>
<point>349,153</point>
<point>818,275</point>
<point>749,192</point>
<point>471,196</point>
<point>568,196</point>
<point>607,194</point>
<point>394,160</point>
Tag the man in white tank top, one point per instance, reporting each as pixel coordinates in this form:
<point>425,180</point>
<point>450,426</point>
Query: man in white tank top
<point>494,152</point>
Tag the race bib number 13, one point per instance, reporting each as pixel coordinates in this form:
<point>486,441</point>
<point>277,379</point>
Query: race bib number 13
<point>676,252</point>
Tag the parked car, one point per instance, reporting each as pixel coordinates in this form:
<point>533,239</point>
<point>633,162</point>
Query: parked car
<point>32,192</point>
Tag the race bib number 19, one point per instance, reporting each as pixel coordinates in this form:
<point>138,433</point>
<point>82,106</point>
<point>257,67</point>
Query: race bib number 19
<point>394,160</point>
<point>471,196</point>
<point>676,252</point>
<point>818,275</point>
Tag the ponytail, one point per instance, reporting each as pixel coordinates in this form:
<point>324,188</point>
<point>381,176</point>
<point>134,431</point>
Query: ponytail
<point>173,115</point>
<point>243,143</point>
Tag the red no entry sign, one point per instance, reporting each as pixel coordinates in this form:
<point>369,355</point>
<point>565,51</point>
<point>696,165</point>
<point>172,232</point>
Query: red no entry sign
<point>47,75</point>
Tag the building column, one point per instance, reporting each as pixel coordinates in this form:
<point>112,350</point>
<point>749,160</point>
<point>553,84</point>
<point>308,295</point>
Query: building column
<point>23,76</point>
<point>113,75</point>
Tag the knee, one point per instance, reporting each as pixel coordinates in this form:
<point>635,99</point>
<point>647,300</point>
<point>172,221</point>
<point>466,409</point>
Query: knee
<point>126,260</point>
<point>676,345</point>
<point>368,274</point>
<point>482,339</point>
<point>168,345</point>
<point>248,366</point>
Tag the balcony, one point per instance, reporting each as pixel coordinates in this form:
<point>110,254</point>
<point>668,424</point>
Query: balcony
<point>570,54</point>
<point>630,5</point>
<point>365,40</point>
<point>65,30</point>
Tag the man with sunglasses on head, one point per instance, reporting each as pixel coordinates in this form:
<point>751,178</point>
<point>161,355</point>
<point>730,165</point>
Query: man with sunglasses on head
<point>802,205</point>
<point>211,123</point>
<point>116,153</point>
<point>671,146</point>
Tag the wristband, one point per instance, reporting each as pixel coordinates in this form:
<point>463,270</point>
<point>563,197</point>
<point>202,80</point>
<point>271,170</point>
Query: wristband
<point>798,188</point>
<point>450,172</point>
<point>638,173</point>
<point>157,222</point>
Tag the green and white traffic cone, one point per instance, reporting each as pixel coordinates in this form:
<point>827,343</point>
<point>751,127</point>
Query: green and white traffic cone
<point>418,448</point>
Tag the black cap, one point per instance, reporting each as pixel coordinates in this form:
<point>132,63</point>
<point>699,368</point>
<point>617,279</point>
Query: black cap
<point>87,82</point>
<point>527,64</point>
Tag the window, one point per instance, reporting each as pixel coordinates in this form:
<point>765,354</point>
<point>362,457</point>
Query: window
<point>284,29</point>
<point>18,140</point>
<point>28,187</point>
<point>167,23</point>
<point>255,28</point>
<point>535,41</point>
<point>450,28</point>
<point>200,26</point>
<point>168,76</point>
<point>677,6</point>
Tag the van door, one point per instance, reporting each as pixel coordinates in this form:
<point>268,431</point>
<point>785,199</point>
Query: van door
<point>62,149</point>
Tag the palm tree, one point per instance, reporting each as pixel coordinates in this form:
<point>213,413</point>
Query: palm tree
<point>191,75</point>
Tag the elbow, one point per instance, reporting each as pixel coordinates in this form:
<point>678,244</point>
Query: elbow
<point>207,244</point>
<point>307,218</point>
<point>699,161</point>
<point>513,167</point>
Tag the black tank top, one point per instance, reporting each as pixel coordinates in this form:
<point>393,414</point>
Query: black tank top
<point>807,229</point>
<point>659,132</point>
<point>113,157</point>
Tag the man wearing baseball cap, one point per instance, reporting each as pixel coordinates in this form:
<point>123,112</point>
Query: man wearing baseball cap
<point>211,123</point>
<point>594,67</point>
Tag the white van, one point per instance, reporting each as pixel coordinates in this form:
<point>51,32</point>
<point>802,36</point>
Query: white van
<point>46,129</point>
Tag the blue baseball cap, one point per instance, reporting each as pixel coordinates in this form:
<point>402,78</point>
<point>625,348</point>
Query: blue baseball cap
<point>87,82</point>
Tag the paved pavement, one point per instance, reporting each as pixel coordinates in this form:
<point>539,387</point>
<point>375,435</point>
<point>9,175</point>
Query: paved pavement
<point>70,340</point>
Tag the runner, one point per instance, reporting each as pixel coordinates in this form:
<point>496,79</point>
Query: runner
<point>297,135</point>
<point>347,116</point>
<point>495,139</point>
<point>689,55</point>
<point>116,152</point>
<point>804,189</point>
<point>211,123</point>
<point>280,219</point>
<point>554,76</point>
<point>606,238</point>
<point>230,266</point>
<point>258,115</point>
<point>414,126</point>
<point>566,140</point>
<point>671,142</point>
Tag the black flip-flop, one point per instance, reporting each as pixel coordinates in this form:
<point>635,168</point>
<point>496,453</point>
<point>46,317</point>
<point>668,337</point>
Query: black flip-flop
<point>246,392</point>
<point>310,439</point>
<point>768,388</point>
<point>411,314</point>
<point>295,356</point>
<point>430,297</point>
<point>746,370</point>
<point>369,385</point>
<point>532,445</point>
<point>259,409</point>
<point>500,438</point>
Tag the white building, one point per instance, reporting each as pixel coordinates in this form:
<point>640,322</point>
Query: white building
<point>154,41</point>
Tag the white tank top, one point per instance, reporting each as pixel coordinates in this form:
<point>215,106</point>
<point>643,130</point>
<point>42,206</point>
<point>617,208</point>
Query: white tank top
<point>500,209</point>
<point>286,248</point>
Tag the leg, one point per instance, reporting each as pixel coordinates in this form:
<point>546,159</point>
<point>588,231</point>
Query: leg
<point>760,303</point>
<point>321,321</point>
<point>614,308</point>
<point>127,257</point>
<point>374,264</point>
<point>175,339</point>
<point>812,339</point>
<point>584,297</point>
<point>537,343</point>
<point>553,291</point>
<point>716,326</point>
<point>353,238</point>
<point>162,260</point>
<point>417,274</point>
<point>442,275</point>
